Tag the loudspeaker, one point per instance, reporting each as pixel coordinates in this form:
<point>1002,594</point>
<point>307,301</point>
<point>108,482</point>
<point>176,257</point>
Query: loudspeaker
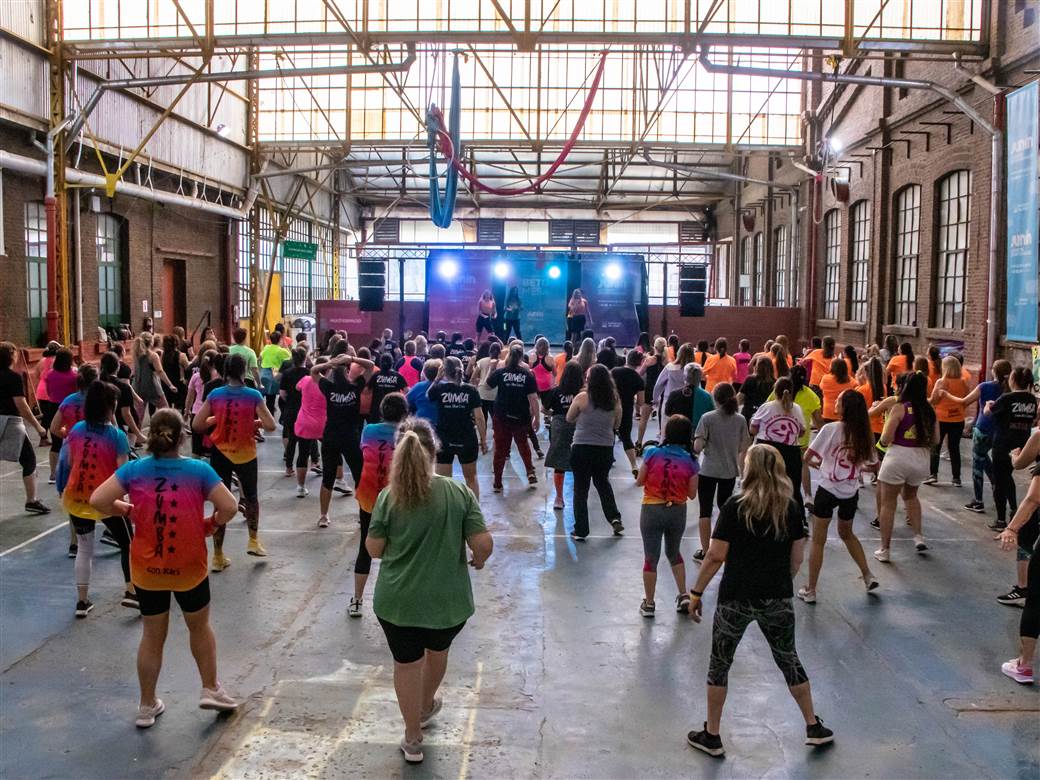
<point>371,284</point>
<point>693,290</point>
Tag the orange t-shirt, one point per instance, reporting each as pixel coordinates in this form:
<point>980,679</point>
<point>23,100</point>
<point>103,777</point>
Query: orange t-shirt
<point>671,354</point>
<point>897,366</point>
<point>877,424</point>
<point>951,411</point>
<point>561,361</point>
<point>820,366</point>
<point>719,369</point>
<point>832,388</point>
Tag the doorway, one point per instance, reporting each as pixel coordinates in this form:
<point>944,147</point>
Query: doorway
<point>174,296</point>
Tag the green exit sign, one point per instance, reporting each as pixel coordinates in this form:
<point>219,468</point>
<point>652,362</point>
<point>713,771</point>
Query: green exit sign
<point>299,250</point>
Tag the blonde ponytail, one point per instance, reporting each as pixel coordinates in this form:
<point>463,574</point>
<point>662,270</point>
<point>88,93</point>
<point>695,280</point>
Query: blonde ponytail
<point>411,470</point>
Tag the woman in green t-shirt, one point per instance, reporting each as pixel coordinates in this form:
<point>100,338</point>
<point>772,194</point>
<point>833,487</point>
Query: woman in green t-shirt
<point>421,525</point>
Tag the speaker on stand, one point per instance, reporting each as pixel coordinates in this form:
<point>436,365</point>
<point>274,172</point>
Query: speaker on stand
<point>693,289</point>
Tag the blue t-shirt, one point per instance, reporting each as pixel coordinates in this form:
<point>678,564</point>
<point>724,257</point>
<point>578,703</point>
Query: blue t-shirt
<point>419,404</point>
<point>988,391</point>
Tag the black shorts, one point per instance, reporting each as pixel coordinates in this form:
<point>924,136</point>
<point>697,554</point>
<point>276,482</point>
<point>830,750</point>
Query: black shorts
<point>56,442</point>
<point>157,602</point>
<point>467,452</point>
<point>825,502</point>
<point>408,644</point>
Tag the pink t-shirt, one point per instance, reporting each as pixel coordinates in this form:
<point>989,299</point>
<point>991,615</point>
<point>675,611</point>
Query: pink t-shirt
<point>60,384</point>
<point>196,384</point>
<point>310,421</point>
<point>41,386</point>
<point>743,361</point>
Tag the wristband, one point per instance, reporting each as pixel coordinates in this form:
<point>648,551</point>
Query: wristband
<point>696,594</point>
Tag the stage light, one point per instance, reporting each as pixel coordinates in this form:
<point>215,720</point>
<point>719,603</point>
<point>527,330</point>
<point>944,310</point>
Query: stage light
<point>501,270</point>
<point>835,144</point>
<point>554,272</point>
<point>448,268</point>
<point>612,271</point>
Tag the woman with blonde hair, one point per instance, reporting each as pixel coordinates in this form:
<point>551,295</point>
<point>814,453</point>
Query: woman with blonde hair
<point>149,376</point>
<point>423,596</point>
<point>672,376</point>
<point>586,356</point>
<point>951,417</point>
<point>760,539</point>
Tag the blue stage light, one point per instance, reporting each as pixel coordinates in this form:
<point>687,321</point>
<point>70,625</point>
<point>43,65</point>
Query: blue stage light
<point>448,268</point>
<point>612,271</point>
<point>554,272</point>
<point>501,270</point>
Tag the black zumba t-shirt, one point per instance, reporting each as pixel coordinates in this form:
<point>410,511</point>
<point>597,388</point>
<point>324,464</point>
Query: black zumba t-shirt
<point>1013,415</point>
<point>456,349</point>
<point>628,383</point>
<point>291,376</point>
<point>125,398</point>
<point>513,385</point>
<point>455,405</point>
<point>758,566</point>
<point>11,387</point>
<point>343,403</point>
<point>558,402</point>
<point>381,385</point>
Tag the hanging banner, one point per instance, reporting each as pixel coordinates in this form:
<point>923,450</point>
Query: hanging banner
<point>1022,269</point>
<point>343,315</point>
<point>613,285</point>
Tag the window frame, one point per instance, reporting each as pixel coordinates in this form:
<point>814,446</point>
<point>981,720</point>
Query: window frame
<point>35,235</point>
<point>744,285</point>
<point>780,269</point>
<point>951,262</point>
<point>111,270</point>
<point>860,240</point>
<point>906,254</point>
<point>831,264</point>
<point>723,253</point>
<point>758,280</point>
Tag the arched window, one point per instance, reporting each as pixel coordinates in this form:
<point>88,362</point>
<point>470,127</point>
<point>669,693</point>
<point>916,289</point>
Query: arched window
<point>831,263</point>
<point>36,269</point>
<point>952,256</point>
<point>110,271</point>
<point>859,261</point>
<point>907,254</point>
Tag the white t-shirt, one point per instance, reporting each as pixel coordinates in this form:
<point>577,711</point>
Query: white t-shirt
<point>839,476</point>
<point>483,371</point>
<point>776,425</point>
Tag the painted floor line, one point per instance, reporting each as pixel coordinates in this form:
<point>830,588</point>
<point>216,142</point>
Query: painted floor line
<point>27,542</point>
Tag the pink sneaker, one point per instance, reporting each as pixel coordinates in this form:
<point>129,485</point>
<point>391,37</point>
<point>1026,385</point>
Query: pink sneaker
<point>217,699</point>
<point>1020,674</point>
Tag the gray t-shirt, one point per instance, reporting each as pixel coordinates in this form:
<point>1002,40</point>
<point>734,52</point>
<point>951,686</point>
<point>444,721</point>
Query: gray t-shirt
<point>723,436</point>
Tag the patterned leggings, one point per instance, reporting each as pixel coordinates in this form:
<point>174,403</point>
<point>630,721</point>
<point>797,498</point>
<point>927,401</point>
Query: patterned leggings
<point>775,617</point>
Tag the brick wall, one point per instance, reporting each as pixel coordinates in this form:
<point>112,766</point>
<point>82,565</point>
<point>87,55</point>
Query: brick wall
<point>154,234</point>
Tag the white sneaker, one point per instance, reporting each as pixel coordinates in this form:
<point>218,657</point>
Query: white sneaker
<point>412,751</point>
<point>428,717</point>
<point>354,610</point>
<point>217,700</point>
<point>341,487</point>
<point>806,595</point>
<point>146,715</point>
<point>919,543</point>
<point>882,555</point>
<point>301,491</point>
<point>323,521</point>
<point>870,581</point>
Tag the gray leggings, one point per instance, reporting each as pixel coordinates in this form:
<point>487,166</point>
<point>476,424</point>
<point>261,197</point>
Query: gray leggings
<point>775,617</point>
<point>657,521</point>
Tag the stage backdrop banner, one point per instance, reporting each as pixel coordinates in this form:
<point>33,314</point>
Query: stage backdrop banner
<point>1022,214</point>
<point>342,315</point>
<point>453,296</point>
<point>613,297</point>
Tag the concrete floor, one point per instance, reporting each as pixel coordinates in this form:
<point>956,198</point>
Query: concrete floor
<point>556,675</point>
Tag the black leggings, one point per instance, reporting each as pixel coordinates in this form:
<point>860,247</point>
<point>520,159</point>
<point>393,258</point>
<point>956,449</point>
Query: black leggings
<point>1030,623</point>
<point>121,531</point>
<point>575,327</point>
<point>304,448</point>
<point>775,617</point>
<point>511,326</point>
<point>27,457</point>
<point>706,492</point>
<point>952,432</point>
<point>363,564</point>
<point>792,455</point>
<point>347,448</point>
<point>591,464</point>
<point>248,476</point>
<point>1004,493</point>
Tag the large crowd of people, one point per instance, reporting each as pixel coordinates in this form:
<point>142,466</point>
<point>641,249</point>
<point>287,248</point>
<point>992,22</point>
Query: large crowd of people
<point>142,441</point>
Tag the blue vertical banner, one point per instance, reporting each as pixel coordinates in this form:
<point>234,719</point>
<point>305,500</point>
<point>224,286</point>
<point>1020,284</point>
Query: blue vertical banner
<point>1022,268</point>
